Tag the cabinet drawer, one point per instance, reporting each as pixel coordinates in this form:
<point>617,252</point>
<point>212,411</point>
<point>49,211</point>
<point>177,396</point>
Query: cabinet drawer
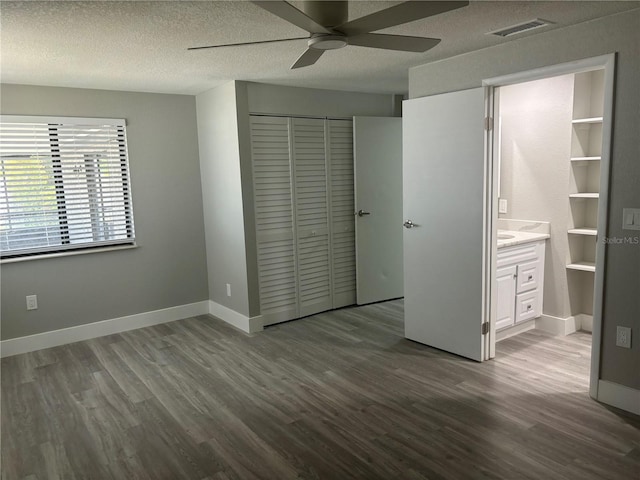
<point>528,276</point>
<point>527,306</point>
<point>527,252</point>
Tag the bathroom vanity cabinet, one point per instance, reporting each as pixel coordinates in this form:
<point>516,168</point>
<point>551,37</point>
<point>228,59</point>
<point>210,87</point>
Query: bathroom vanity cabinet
<point>519,280</point>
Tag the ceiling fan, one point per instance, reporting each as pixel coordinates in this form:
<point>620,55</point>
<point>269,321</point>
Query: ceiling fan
<point>326,22</point>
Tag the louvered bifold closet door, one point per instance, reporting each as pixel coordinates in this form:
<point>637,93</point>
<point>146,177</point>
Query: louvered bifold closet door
<point>270,152</point>
<point>311,215</point>
<point>343,248</point>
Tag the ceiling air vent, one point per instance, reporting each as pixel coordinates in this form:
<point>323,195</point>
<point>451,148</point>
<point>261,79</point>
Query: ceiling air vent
<point>521,27</point>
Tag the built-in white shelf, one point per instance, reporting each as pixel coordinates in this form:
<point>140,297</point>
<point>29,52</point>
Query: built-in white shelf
<point>585,165</point>
<point>584,195</point>
<point>584,231</point>
<point>582,266</point>
<point>585,159</point>
<point>579,121</point>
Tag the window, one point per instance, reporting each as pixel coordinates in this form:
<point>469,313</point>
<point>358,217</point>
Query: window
<point>64,185</point>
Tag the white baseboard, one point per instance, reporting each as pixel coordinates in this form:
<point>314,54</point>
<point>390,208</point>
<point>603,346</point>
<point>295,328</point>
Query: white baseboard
<point>619,396</point>
<point>565,326</point>
<point>557,325</point>
<point>585,321</point>
<point>30,343</point>
<point>238,320</point>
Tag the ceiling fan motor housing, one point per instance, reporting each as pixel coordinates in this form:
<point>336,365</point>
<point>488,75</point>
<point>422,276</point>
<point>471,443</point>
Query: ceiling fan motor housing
<point>328,42</point>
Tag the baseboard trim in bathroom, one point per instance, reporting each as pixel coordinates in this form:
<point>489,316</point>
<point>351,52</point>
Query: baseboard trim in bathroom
<point>585,322</point>
<point>557,325</point>
<point>515,329</point>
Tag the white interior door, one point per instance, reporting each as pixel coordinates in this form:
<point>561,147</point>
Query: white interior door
<point>444,175</point>
<point>378,191</point>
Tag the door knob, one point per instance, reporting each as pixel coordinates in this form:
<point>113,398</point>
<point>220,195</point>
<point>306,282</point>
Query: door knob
<point>409,224</point>
<point>362,213</point>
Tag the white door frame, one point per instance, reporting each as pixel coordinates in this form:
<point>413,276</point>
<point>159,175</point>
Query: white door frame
<point>606,62</point>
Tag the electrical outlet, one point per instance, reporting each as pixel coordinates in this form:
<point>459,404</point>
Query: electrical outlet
<point>502,205</point>
<point>623,337</point>
<point>631,218</point>
<point>32,302</point>
<point>228,289</point>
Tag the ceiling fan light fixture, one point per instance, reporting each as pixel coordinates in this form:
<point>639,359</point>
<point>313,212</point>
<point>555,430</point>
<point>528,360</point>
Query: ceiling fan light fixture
<point>328,42</point>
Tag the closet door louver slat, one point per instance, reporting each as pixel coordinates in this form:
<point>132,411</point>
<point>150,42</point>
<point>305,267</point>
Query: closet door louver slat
<point>274,219</point>
<point>311,215</point>
<point>343,259</point>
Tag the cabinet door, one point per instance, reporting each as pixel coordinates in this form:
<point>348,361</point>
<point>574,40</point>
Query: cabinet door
<point>343,249</point>
<point>274,218</point>
<point>311,215</point>
<point>506,297</point>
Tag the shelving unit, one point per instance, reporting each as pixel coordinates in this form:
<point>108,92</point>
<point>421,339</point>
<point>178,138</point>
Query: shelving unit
<point>586,153</point>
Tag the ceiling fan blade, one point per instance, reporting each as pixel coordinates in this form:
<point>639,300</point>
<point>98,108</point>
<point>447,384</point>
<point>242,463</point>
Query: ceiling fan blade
<point>403,13</point>
<point>248,43</point>
<point>309,57</point>
<point>394,42</point>
<point>291,14</point>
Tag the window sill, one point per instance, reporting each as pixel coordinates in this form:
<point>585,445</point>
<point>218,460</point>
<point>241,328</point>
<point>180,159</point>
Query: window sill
<point>68,253</point>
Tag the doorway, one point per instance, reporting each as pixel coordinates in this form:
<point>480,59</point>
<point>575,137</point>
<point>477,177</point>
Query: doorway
<point>549,162</point>
<point>377,152</point>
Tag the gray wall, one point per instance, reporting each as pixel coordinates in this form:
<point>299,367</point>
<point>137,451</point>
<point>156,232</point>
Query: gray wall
<point>276,99</point>
<point>168,268</point>
<point>246,173</point>
<point>222,197</point>
<point>617,33</point>
<point>535,122</point>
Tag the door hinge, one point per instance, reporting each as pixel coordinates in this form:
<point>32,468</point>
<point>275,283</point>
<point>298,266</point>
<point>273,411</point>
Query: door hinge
<point>488,123</point>
<point>485,328</point>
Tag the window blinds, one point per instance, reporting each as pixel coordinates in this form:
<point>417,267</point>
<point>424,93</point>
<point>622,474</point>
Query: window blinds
<point>64,184</point>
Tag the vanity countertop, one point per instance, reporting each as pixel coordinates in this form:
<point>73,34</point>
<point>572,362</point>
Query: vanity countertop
<point>517,237</point>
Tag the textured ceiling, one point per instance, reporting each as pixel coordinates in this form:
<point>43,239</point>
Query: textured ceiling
<point>142,46</point>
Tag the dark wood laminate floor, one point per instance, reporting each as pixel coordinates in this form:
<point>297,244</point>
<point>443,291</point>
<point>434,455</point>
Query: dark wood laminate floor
<point>336,396</point>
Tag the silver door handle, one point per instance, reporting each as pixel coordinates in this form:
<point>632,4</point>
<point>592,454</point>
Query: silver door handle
<point>410,224</point>
<point>362,213</point>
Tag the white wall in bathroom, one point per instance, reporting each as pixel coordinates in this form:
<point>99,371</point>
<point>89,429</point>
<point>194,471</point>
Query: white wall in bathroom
<point>535,171</point>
